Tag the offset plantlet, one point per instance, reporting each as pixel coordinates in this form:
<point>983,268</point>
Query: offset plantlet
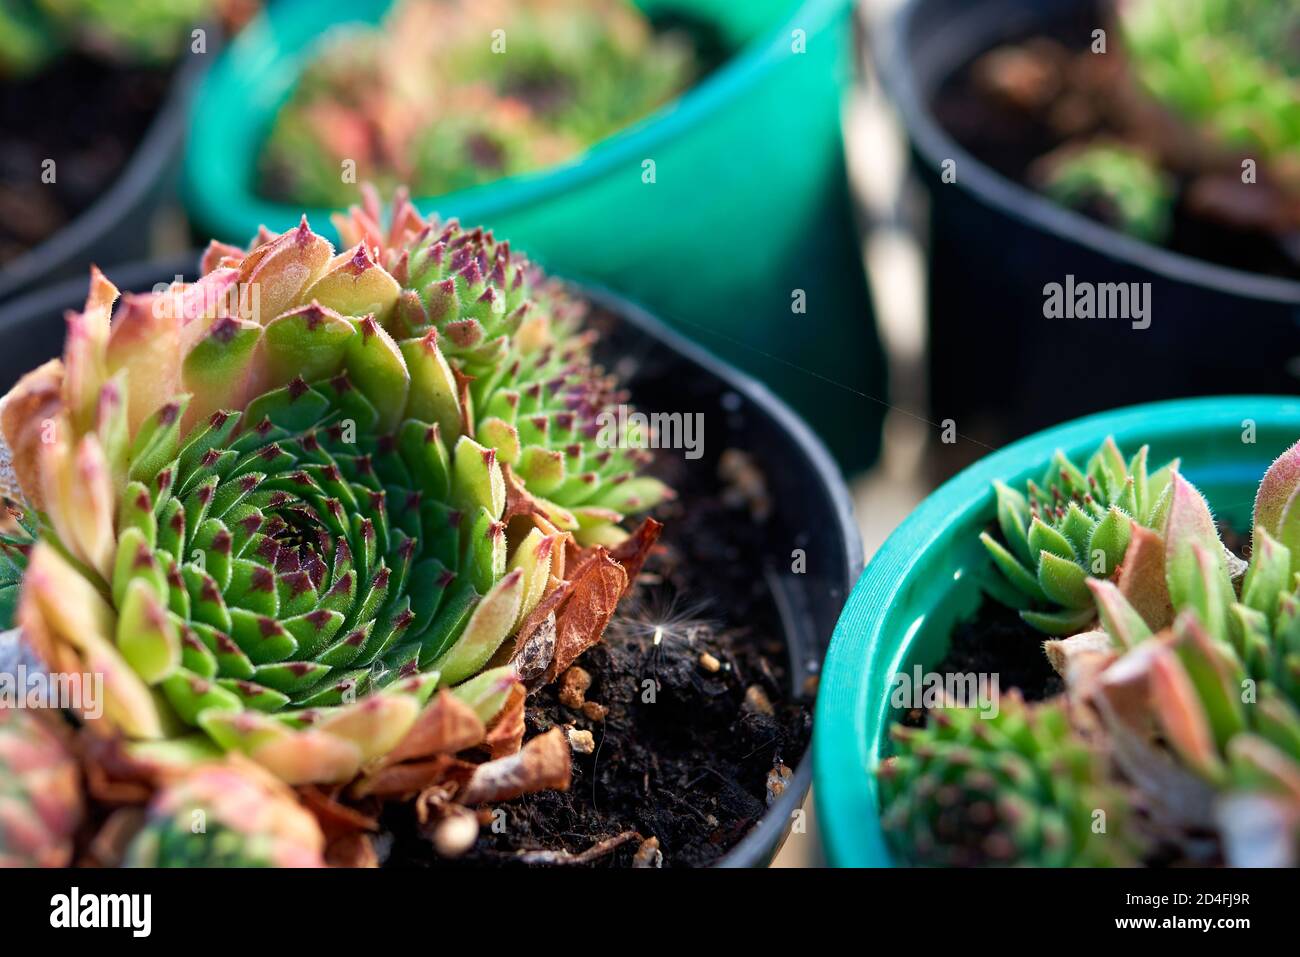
<point>1123,186</point>
<point>138,32</point>
<point>1021,788</point>
<point>1073,525</point>
<point>448,94</point>
<point>278,517</point>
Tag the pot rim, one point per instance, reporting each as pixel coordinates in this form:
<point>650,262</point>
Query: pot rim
<point>847,727</point>
<point>934,145</point>
<point>762,841</point>
<point>142,173</point>
<point>693,107</point>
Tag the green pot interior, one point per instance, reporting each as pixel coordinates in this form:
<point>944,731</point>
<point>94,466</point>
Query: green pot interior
<point>931,574</point>
<point>252,79</point>
<point>748,218</point>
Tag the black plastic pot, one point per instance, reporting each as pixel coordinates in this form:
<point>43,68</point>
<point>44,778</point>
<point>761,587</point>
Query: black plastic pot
<point>811,506</point>
<point>998,366</point>
<point>116,228</point>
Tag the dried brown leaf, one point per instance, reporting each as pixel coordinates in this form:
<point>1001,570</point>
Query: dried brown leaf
<point>445,726</point>
<point>598,584</point>
<point>543,764</point>
<point>506,735</point>
<point>634,550</point>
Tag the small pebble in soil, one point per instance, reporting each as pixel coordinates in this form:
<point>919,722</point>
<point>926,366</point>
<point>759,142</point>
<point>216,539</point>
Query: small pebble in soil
<point>580,741</point>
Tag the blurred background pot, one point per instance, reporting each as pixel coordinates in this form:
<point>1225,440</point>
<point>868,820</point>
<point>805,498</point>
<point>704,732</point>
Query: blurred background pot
<point>997,366</point>
<point>119,226</point>
<point>748,217</point>
<point>928,577</point>
<point>810,505</point>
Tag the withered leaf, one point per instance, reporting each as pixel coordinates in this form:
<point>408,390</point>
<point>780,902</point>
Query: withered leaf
<point>598,584</point>
<point>543,764</point>
<point>399,780</point>
<point>445,726</point>
<point>633,551</point>
<point>351,850</point>
<point>507,732</point>
<point>538,617</point>
<point>536,651</point>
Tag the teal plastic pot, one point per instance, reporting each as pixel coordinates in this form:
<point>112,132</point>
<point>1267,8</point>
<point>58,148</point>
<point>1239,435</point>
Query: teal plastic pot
<point>928,576</point>
<point>749,206</point>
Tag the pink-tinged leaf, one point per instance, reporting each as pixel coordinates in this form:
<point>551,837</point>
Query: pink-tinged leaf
<point>1191,526</point>
<point>146,342</point>
<point>1215,673</point>
<point>84,352</point>
<point>273,277</point>
<point>1063,652</point>
<point>1142,579</point>
<point>1121,620</point>
<point>1180,715</point>
<point>1276,489</point>
<point>1125,685</point>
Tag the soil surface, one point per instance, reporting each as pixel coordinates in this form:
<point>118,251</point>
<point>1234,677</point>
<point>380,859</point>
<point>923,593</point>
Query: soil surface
<point>695,718</point>
<point>86,116</point>
<point>1052,94</point>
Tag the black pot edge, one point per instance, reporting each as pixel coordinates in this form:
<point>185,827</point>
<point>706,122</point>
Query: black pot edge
<point>145,172</point>
<point>760,845</point>
<point>931,143</point>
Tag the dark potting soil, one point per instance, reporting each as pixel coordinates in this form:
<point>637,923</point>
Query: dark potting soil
<point>688,745</point>
<point>86,116</point>
<point>997,642</point>
<point>1078,97</point>
<point>683,753</point>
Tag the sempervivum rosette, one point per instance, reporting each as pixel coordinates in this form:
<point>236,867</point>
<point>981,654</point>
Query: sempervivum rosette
<point>279,508</point>
<point>1019,786</point>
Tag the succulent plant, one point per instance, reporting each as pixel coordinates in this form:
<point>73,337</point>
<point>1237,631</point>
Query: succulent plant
<point>1073,525</point>
<point>1230,68</point>
<point>138,32</point>
<point>40,791</point>
<point>229,814</point>
<point>1122,184</point>
<point>276,515</point>
<point>1205,659</point>
<point>447,94</point>
<point>1183,667</point>
<point>1016,788</point>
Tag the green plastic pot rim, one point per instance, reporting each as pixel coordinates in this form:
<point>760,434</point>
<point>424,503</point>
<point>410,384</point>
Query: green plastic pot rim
<point>847,807</point>
<point>484,202</point>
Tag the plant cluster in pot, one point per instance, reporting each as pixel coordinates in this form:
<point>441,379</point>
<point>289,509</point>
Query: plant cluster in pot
<point>93,124</point>
<point>1102,175</point>
<point>1064,657</point>
<point>630,144</point>
<point>349,540</point>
